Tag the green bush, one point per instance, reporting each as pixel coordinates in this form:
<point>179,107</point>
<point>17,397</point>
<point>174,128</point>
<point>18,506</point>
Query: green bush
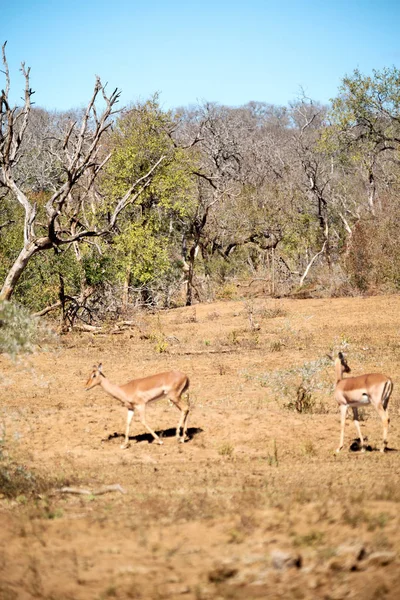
<point>19,332</point>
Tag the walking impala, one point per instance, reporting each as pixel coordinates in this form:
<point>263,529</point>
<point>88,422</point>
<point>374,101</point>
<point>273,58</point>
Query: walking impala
<point>372,388</point>
<point>136,394</point>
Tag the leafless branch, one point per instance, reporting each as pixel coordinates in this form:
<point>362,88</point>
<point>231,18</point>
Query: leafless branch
<point>310,264</point>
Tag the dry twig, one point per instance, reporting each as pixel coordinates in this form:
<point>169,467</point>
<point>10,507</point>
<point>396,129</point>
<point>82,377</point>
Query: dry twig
<point>116,487</point>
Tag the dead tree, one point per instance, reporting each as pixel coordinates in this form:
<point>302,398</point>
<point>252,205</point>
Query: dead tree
<point>83,157</point>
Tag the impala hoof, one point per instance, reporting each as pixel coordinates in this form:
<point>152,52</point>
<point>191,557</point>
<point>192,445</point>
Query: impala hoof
<point>124,446</point>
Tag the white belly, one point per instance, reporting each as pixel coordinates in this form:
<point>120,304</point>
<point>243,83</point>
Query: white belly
<point>363,400</point>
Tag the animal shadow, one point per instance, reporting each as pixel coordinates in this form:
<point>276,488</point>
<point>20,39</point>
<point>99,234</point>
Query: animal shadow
<point>355,446</point>
<point>163,433</point>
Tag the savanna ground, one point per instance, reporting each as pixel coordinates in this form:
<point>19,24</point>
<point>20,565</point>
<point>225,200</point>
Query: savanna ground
<point>255,505</point>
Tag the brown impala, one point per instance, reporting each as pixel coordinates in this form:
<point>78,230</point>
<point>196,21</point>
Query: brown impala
<point>363,390</point>
<point>137,393</point>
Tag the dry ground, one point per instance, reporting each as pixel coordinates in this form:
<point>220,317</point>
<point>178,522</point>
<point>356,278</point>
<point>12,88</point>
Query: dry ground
<point>255,505</point>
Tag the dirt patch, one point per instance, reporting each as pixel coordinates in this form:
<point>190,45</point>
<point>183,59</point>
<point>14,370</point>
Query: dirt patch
<point>256,504</point>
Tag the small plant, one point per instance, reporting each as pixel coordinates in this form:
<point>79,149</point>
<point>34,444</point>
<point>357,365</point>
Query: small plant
<point>226,450</point>
<point>250,312</point>
<point>160,339</point>
<point>227,292</point>
<point>272,459</point>
<point>378,521</point>
<point>314,538</point>
<point>162,346</point>
<point>254,339</point>
<point>160,342</point>
<point>192,318</point>
<point>309,448</point>
<point>356,517</point>
<point>221,368</point>
<point>52,513</point>
<point>233,338</point>
<point>304,402</point>
<point>110,592</point>
<point>276,346</point>
<point>212,316</point>
<point>273,313</point>
<point>235,536</point>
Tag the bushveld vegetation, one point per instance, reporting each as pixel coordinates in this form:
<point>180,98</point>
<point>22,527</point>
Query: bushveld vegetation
<point>105,209</point>
<point>256,504</point>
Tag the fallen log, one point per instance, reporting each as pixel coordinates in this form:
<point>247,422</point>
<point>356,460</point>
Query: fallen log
<point>96,492</point>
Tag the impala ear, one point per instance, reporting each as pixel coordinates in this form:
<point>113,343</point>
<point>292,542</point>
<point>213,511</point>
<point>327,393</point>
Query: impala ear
<point>100,367</point>
<point>344,364</point>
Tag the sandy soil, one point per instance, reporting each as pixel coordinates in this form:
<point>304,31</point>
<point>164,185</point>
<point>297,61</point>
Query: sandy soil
<point>255,505</point>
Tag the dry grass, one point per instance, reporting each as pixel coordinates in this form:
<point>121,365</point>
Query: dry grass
<point>255,505</point>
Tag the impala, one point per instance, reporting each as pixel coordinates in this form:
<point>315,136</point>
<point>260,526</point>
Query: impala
<point>136,394</point>
<point>363,390</point>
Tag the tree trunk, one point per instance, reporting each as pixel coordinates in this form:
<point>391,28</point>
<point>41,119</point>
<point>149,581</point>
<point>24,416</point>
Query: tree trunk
<point>189,288</point>
<point>125,289</point>
<point>18,267</point>
<point>190,276</point>
<point>371,191</point>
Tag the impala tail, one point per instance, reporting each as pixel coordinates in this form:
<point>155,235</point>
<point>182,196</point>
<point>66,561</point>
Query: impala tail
<point>387,390</point>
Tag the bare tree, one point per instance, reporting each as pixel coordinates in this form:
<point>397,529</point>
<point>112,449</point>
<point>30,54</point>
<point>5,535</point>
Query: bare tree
<point>240,165</point>
<point>68,214</point>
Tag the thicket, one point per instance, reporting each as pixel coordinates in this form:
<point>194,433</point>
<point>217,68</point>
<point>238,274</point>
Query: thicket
<point>180,206</point>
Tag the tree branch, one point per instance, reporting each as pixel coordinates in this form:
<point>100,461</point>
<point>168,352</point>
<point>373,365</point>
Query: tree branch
<point>310,264</point>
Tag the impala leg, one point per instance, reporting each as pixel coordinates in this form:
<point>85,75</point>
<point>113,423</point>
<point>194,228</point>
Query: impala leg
<point>183,424</point>
<point>343,411</point>
<point>180,425</point>
<point>385,422</point>
<point>142,416</point>
<point>183,406</point>
<point>129,418</point>
<point>358,428</point>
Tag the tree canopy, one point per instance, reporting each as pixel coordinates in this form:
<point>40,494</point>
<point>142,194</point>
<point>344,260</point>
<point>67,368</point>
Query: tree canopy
<point>106,208</point>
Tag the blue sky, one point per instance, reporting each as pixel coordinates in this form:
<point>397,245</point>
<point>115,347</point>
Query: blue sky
<point>190,51</point>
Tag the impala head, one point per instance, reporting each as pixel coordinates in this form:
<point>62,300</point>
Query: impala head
<point>341,361</point>
<point>94,377</point>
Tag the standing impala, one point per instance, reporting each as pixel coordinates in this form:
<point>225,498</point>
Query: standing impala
<point>373,388</point>
<point>137,393</point>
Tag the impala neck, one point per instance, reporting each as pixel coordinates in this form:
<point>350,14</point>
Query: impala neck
<point>112,389</point>
<point>338,370</point>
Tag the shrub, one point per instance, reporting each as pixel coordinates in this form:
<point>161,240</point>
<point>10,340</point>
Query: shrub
<point>18,330</point>
<point>300,386</point>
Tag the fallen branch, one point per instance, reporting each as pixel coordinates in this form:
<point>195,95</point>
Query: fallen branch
<point>46,310</point>
<point>252,281</point>
<point>89,328</point>
<point>198,352</point>
<point>100,330</point>
<point>97,492</point>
